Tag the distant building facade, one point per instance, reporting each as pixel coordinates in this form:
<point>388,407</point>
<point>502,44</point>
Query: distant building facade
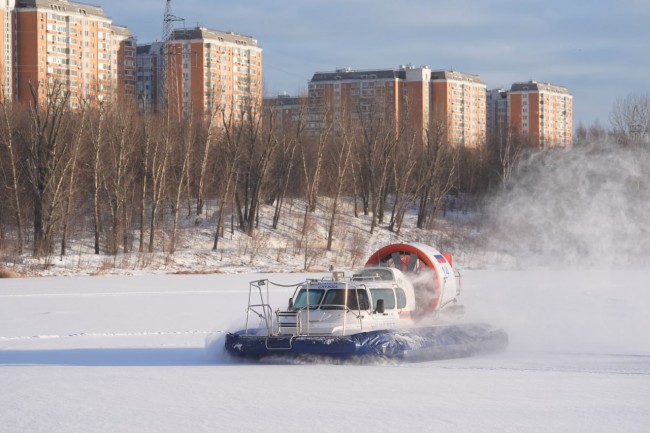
<point>206,71</point>
<point>368,95</point>
<point>64,43</point>
<point>497,111</point>
<point>543,112</point>
<point>414,98</point>
<point>459,104</point>
<point>125,44</point>
<point>71,44</point>
<point>288,110</point>
<point>148,68</point>
<point>6,49</point>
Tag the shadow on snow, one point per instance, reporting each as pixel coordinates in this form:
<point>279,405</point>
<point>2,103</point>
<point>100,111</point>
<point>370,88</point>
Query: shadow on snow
<point>113,357</point>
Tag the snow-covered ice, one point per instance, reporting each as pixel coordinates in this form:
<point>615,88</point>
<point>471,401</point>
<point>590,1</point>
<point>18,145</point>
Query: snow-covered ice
<point>127,354</point>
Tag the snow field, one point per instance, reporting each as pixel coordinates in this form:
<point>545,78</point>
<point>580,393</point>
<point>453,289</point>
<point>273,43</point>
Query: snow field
<point>126,354</point>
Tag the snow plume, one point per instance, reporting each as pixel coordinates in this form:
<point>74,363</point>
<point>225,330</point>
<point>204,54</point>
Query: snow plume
<point>215,342</point>
<point>425,286</point>
<point>586,206</point>
<point>214,346</point>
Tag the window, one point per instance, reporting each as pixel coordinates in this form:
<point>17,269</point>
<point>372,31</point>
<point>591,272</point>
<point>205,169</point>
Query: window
<point>386,294</point>
<point>336,299</point>
<point>301,300</point>
<point>401,297</point>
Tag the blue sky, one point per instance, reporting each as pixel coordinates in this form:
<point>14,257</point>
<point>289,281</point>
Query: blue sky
<point>598,49</point>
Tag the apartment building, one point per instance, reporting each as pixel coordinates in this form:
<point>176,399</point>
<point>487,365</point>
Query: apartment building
<point>397,98</point>
<point>458,102</point>
<point>287,110</point>
<point>542,111</point>
<point>148,68</point>
<point>497,111</point>
<point>371,95</point>
<point>415,98</point>
<point>125,51</point>
<point>206,71</point>
<point>60,42</point>
<point>6,49</point>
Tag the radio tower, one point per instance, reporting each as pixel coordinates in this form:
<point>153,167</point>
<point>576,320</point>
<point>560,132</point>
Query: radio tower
<point>168,22</point>
<point>168,29</point>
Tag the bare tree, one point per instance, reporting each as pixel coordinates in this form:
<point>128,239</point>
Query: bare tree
<point>340,154</point>
<point>117,171</point>
<point>230,149</point>
<point>207,146</point>
<point>144,156</point>
<point>96,133</point>
<point>436,174</point>
<point>77,149</point>
<point>178,170</point>
<point>161,138</point>
<point>376,147</point>
<point>405,159</point>
<point>259,145</point>
<point>630,120</point>
<point>312,163</point>
<point>7,133</point>
<point>47,160</point>
<point>507,148</point>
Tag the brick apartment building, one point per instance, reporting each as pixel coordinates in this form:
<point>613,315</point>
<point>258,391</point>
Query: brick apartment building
<point>459,104</point>
<point>497,111</point>
<point>542,111</point>
<point>77,45</point>
<point>6,49</point>
<point>126,62</point>
<point>415,98</point>
<point>206,71</point>
<point>74,44</point>
<point>288,109</point>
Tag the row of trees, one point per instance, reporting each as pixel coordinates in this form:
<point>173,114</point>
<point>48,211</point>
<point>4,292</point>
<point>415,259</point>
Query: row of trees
<point>117,177</point>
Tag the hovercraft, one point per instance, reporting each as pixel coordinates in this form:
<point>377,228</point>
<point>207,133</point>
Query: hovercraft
<point>402,305</point>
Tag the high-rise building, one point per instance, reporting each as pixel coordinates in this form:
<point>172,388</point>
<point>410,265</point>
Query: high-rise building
<point>74,45</point>
<point>288,110</point>
<point>359,95</point>
<point>497,111</point>
<point>395,98</point>
<point>207,71</point>
<point>542,111</point>
<point>6,49</point>
<point>148,68</point>
<point>414,98</point>
<point>125,45</point>
<point>459,106</point>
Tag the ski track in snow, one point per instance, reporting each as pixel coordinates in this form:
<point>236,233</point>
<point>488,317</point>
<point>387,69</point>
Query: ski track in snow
<point>116,294</point>
<point>105,335</point>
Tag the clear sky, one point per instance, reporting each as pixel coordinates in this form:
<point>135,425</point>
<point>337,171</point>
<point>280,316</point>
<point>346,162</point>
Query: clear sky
<point>598,49</point>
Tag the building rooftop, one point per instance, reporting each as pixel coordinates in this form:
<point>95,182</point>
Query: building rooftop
<point>455,75</point>
<point>284,100</point>
<point>350,74</point>
<point>121,31</point>
<point>538,87</point>
<point>203,33</point>
<point>63,6</point>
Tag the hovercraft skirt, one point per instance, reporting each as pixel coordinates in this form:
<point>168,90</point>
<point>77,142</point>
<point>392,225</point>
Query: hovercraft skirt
<point>416,344</point>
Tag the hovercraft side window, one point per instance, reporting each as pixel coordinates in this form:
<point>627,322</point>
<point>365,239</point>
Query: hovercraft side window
<point>315,296</point>
<point>386,294</point>
<point>401,297</point>
<point>335,299</point>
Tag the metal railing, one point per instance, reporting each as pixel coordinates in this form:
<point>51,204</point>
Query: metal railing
<point>299,319</point>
